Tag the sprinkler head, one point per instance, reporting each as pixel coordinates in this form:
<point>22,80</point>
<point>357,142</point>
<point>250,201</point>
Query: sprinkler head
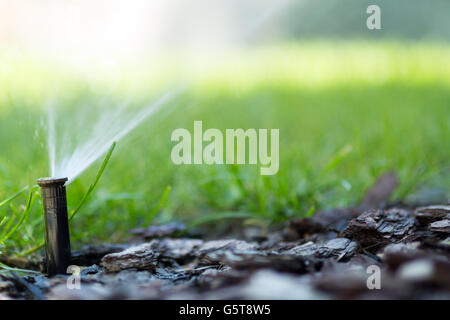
<point>57,238</point>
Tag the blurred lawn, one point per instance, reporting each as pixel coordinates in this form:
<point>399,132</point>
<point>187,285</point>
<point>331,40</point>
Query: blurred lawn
<point>347,112</point>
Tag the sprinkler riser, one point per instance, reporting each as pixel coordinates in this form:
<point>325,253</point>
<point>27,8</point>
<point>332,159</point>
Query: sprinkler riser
<point>57,237</point>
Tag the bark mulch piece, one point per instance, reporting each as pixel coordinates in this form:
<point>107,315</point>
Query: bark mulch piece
<point>91,254</point>
<point>172,229</point>
<point>336,220</point>
<point>427,215</point>
<point>378,226</point>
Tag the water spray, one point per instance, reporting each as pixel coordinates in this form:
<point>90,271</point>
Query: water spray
<point>57,238</point>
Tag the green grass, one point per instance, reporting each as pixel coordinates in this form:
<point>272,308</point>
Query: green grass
<point>347,112</point>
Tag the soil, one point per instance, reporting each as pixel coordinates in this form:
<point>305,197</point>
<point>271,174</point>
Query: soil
<point>336,254</point>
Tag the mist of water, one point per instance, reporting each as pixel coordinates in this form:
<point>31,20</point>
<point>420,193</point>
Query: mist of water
<point>73,158</point>
<point>84,140</point>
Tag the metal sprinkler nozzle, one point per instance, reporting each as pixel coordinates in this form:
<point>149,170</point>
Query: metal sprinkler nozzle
<point>57,237</point>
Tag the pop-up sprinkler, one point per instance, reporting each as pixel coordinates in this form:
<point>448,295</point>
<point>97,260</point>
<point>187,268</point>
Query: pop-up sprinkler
<point>57,238</point>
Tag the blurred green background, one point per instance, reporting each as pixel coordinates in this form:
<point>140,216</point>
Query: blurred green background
<point>350,104</point>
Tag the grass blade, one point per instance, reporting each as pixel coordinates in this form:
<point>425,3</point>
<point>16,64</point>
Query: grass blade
<point>160,204</point>
<point>14,196</point>
<point>337,158</point>
<point>8,268</point>
<point>25,214</point>
<point>310,212</point>
<point>97,178</point>
<point>33,250</point>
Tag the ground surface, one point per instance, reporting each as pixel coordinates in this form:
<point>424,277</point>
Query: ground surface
<point>330,255</point>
